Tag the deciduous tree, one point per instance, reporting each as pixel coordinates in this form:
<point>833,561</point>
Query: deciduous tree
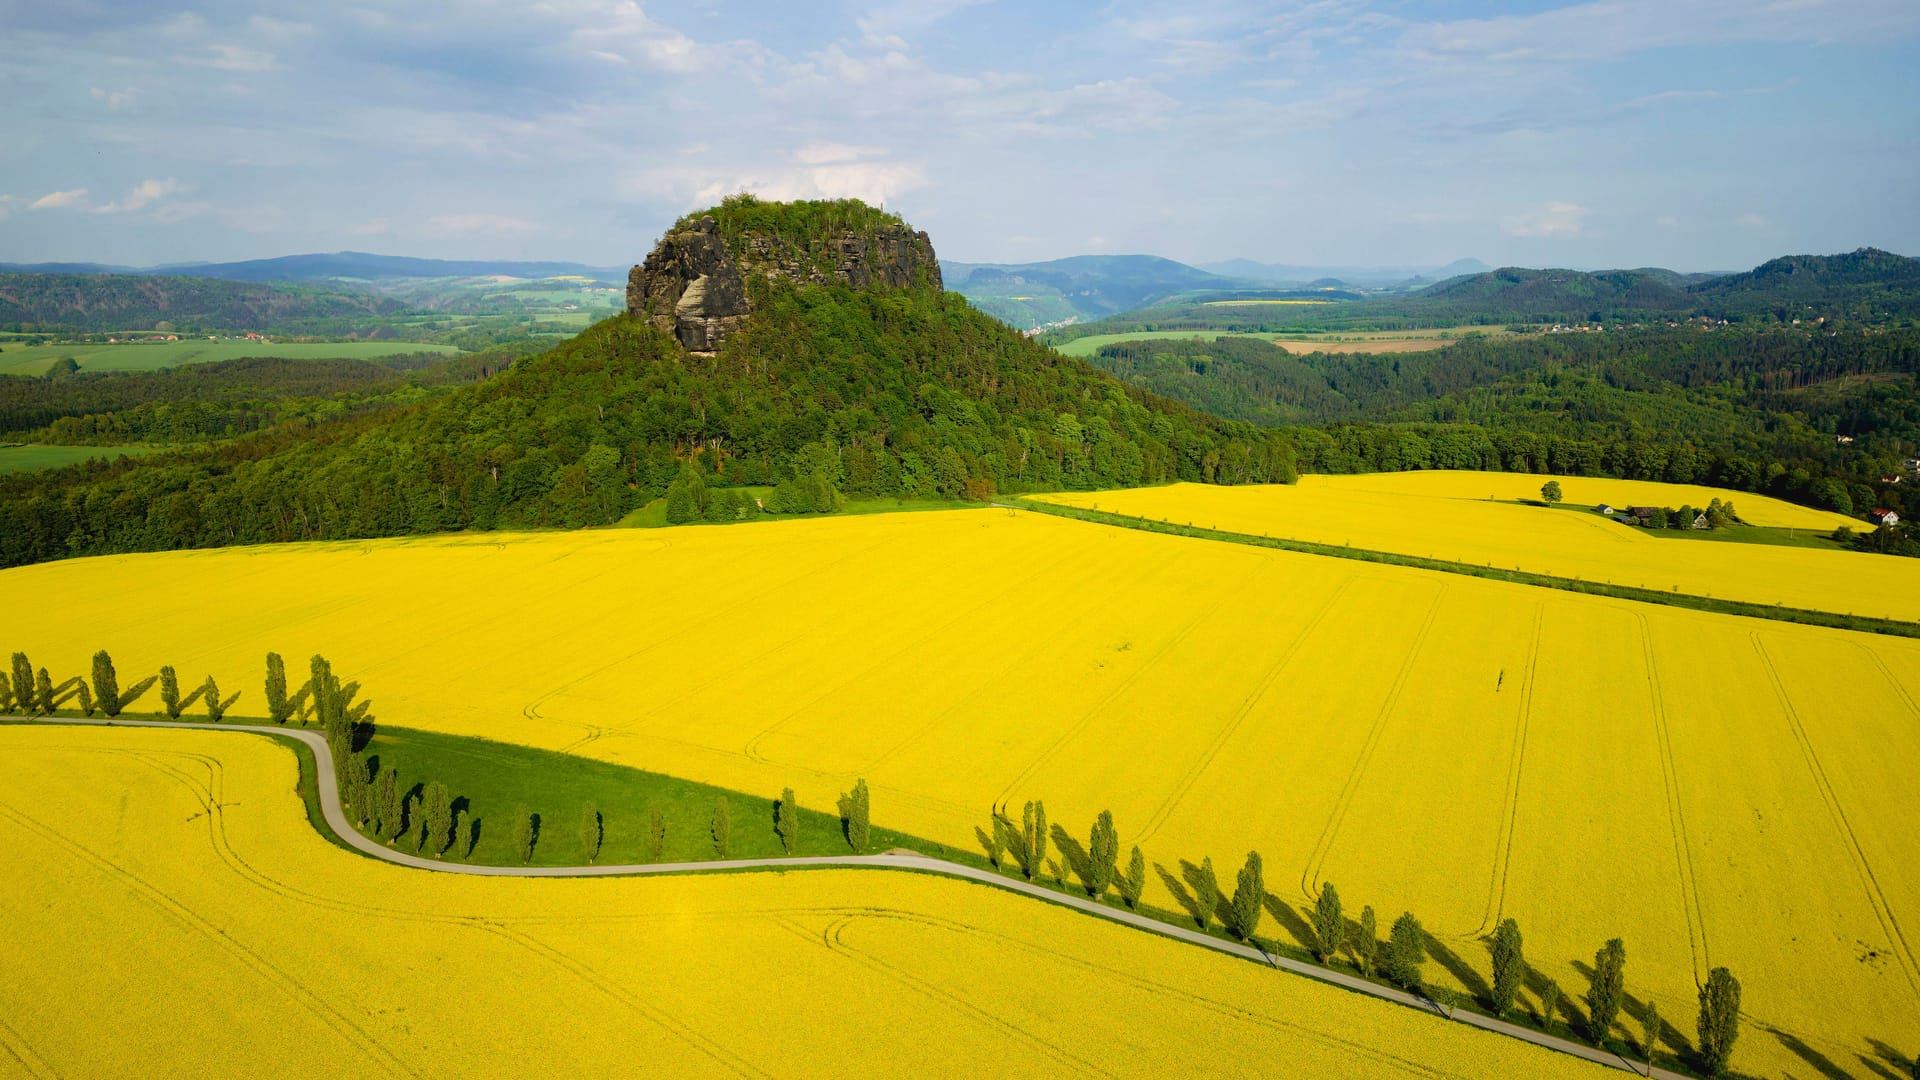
<point>85,697</point>
<point>1366,950</point>
<point>1720,1020</point>
<point>722,827</point>
<point>210,693</point>
<point>1206,892</point>
<point>1249,899</point>
<point>279,708</point>
<point>43,692</point>
<point>23,682</point>
<point>1549,1005</point>
<point>1134,882</point>
<point>1329,923</point>
<point>462,844</point>
<point>106,684</point>
<point>1406,951</point>
<point>1650,1031</point>
<point>524,833</point>
<point>786,821</point>
<point>436,818</point>
<point>170,691</point>
<point>855,816</point>
<point>1509,965</point>
<point>656,833</point>
<point>591,832</point>
<point>1608,988</point>
<point>1550,492</point>
<point>1103,851</point>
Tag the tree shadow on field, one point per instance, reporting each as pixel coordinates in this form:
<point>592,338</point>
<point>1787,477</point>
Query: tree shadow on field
<point>1570,999</point>
<point>1816,1060</point>
<point>198,693</point>
<point>1461,971</point>
<point>66,691</point>
<point>1903,1066</point>
<point>132,693</point>
<point>227,705</point>
<point>1072,854</point>
<point>1537,981</point>
<point>1180,893</point>
<point>1290,921</point>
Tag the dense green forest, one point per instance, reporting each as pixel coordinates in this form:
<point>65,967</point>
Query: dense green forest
<point>220,400</point>
<point>879,392</point>
<point>1755,410</point>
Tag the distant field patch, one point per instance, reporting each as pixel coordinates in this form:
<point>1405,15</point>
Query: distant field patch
<point>1087,346</point>
<point>1298,343</point>
<point>153,355</point>
<point>30,457</point>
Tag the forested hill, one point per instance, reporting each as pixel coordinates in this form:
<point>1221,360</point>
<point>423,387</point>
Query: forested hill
<point>875,390</point>
<point>108,302</point>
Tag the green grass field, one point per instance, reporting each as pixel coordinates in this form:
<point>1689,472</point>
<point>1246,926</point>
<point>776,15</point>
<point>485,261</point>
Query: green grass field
<point>28,457</point>
<point>152,355</point>
<point>654,514</point>
<point>1341,341</point>
<point>1087,346</point>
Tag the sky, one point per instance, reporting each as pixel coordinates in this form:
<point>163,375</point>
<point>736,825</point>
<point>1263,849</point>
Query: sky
<point>1692,134</point>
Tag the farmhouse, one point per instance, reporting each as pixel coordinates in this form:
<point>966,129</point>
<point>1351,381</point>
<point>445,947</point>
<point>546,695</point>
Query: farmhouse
<point>1884,517</point>
<point>1606,509</point>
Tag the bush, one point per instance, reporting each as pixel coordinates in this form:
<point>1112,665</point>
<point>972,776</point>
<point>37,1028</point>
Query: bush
<point>525,833</point>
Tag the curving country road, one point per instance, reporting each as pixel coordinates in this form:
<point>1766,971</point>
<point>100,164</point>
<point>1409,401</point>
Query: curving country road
<point>895,860</point>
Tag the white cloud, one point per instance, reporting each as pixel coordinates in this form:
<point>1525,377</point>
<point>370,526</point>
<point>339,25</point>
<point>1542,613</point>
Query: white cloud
<point>7,203</point>
<point>229,58</point>
<point>143,195</point>
<point>1667,222</point>
<point>1557,219</point>
<point>115,100</point>
<point>372,228</point>
<point>888,25</point>
<point>834,153</point>
<point>61,200</point>
<point>1751,221</point>
<point>482,223</point>
<point>875,182</point>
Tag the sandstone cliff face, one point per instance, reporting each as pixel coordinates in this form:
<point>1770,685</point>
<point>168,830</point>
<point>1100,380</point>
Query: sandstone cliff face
<point>694,287</point>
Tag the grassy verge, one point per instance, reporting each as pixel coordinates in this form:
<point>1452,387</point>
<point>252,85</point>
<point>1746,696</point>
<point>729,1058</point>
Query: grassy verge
<point>1834,620</point>
<point>1764,535</point>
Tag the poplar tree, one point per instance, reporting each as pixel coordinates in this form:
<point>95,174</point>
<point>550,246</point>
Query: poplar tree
<point>389,810</point>
<point>210,693</point>
<point>170,691</point>
<point>786,821</point>
<point>1406,951</point>
<point>855,819</point>
<point>1549,1004</point>
<point>85,697</point>
<point>106,684</point>
<point>436,819</point>
<point>43,692</point>
<point>995,842</point>
<point>1028,843</point>
<point>656,833</point>
<point>6,695</point>
<point>1206,892</point>
<point>722,828</point>
<point>1249,898</point>
<point>590,831</point>
<point>523,834</point>
<point>278,707</point>
<point>1329,923</point>
<point>1720,1020</point>
<point>460,845</point>
<point>1509,966</point>
<point>1366,951</point>
<point>470,836</point>
<point>1134,881</point>
<point>1609,986</point>
<point>1103,851</point>
<point>1650,1031</point>
<point>23,682</point>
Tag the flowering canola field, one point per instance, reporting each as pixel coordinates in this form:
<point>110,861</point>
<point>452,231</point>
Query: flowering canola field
<point>1448,515</point>
<point>1717,791</point>
<point>166,910</point>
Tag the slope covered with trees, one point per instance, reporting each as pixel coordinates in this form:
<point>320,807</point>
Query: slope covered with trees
<point>874,391</point>
<point>105,302</point>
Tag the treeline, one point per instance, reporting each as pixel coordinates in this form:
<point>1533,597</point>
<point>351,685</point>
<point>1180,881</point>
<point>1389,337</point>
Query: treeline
<point>198,402</point>
<point>1336,941</point>
<point>906,393</point>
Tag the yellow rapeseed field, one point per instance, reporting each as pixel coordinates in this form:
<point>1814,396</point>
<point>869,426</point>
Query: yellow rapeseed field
<point>1449,515</point>
<point>166,910</point>
<point>1717,791</point>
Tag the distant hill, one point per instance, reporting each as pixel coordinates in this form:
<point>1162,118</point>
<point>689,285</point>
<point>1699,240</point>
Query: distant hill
<point>348,265</point>
<point>1370,277</point>
<point>1078,289</point>
<point>106,302</point>
<point>1866,285</point>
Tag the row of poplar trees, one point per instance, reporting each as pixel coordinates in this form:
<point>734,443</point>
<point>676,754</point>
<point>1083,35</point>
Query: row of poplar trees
<point>32,691</point>
<point>1022,847</point>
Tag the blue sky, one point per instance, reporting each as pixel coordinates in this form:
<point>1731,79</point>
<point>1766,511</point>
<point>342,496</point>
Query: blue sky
<point>1695,134</point>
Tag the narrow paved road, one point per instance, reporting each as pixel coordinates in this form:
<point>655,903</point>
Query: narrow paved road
<point>337,821</point>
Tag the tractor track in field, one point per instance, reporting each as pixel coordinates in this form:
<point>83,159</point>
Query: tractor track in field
<point>1676,810</point>
<point>336,821</point>
<point>1509,819</point>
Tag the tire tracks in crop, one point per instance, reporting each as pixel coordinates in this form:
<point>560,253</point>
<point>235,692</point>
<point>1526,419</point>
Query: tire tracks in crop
<point>832,938</point>
<point>1086,717</point>
<point>1869,881</point>
<point>17,1048</point>
<point>1225,734</point>
<point>1695,915</point>
<point>1899,688</point>
<point>1516,761</point>
<point>659,1018</point>
<point>1316,862</point>
<point>317,1007</point>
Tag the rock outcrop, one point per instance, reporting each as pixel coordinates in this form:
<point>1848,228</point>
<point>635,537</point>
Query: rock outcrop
<point>695,283</point>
